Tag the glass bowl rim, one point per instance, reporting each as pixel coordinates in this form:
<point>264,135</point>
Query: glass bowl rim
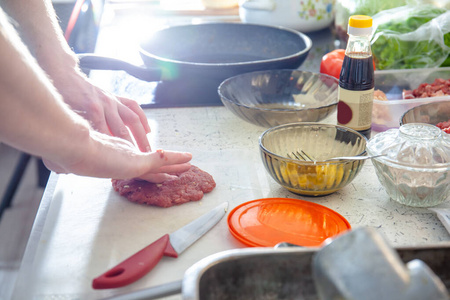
<point>311,163</point>
<point>418,107</point>
<point>386,160</point>
<point>226,81</point>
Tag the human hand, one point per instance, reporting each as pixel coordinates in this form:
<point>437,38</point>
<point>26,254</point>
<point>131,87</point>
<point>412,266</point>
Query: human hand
<point>167,170</point>
<point>107,113</point>
<point>72,146</point>
<point>109,157</point>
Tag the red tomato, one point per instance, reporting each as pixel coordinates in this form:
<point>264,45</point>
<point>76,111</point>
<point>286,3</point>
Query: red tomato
<point>332,63</point>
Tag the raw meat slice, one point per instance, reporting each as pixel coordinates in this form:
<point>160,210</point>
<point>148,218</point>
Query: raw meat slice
<point>189,186</point>
<point>440,87</point>
<point>445,126</point>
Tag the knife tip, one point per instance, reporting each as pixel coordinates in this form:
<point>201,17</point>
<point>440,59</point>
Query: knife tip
<point>225,206</point>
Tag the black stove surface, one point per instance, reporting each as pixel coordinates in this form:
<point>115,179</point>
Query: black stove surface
<point>181,93</point>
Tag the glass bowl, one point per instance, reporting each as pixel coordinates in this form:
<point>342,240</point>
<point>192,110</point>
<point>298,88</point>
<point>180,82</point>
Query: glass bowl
<point>275,97</point>
<point>430,113</point>
<point>319,141</point>
<point>416,168</point>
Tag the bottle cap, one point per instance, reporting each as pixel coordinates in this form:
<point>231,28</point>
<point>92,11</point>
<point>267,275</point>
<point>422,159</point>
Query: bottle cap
<point>360,25</point>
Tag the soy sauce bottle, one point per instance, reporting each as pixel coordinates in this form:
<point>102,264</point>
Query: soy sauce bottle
<point>356,81</point>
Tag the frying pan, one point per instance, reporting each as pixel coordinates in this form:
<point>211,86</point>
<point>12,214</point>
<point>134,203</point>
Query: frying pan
<point>192,60</point>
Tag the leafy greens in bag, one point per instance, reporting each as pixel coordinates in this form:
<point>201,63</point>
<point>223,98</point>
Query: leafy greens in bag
<point>411,37</point>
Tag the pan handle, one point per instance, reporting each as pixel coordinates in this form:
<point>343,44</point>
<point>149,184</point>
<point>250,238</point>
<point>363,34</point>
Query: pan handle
<point>97,62</point>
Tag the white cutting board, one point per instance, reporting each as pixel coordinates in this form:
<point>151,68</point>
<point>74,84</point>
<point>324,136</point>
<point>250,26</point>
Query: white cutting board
<point>89,228</point>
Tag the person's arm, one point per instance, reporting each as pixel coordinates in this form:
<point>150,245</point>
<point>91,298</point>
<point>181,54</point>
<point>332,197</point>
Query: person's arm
<point>34,119</point>
<point>37,23</point>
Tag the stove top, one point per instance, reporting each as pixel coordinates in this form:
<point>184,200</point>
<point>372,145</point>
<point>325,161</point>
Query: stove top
<point>118,38</point>
<point>182,93</point>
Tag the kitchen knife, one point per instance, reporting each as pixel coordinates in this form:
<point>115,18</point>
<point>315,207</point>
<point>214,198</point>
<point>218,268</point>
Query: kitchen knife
<point>136,266</point>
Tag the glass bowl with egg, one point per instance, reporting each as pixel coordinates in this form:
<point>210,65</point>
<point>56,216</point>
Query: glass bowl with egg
<point>310,175</point>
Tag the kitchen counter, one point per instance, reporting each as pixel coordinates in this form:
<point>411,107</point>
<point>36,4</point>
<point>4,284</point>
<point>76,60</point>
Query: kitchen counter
<point>83,228</point>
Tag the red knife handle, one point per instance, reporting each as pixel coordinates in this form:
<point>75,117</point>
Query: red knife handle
<point>136,266</point>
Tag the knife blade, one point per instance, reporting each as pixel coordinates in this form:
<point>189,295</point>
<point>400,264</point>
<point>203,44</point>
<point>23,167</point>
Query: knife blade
<point>142,262</point>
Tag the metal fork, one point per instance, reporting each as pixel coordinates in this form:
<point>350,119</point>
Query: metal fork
<point>302,155</point>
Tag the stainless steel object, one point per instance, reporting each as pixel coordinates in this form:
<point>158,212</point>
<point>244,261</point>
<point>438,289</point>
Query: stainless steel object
<point>269,273</point>
<point>361,265</point>
<point>282,273</point>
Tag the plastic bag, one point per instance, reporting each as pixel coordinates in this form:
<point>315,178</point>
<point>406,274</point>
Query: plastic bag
<point>346,8</point>
<point>411,37</point>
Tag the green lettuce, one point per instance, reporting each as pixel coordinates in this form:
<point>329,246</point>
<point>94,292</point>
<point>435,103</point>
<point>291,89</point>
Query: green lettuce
<point>408,40</point>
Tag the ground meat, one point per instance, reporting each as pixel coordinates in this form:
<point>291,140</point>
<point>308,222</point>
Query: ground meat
<point>445,126</point>
<point>379,95</point>
<point>440,87</point>
<point>189,186</point>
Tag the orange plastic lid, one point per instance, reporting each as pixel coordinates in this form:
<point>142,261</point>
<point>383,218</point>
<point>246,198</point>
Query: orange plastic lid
<point>267,222</point>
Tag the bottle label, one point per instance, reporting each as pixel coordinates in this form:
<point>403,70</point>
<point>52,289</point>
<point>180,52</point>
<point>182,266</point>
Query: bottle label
<point>355,109</point>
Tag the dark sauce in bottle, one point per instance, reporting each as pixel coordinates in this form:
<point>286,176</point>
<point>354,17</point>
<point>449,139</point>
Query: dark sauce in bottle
<point>356,75</point>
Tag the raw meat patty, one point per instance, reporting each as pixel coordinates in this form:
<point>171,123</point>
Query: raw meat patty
<point>189,186</point>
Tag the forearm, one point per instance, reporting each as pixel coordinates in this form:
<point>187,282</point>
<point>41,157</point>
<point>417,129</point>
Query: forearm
<point>33,116</point>
<point>38,25</point>
<point>39,28</point>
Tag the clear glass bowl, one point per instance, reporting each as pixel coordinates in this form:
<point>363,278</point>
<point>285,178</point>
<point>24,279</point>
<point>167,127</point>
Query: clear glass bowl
<point>275,97</point>
<point>416,168</point>
<point>430,113</point>
<point>320,141</point>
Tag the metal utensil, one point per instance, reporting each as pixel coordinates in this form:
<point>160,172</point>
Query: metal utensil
<point>136,266</point>
<point>156,292</point>
<point>302,155</point>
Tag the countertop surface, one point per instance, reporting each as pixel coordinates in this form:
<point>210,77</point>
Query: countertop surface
<point>87,228</point>
<point>83,228</point>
